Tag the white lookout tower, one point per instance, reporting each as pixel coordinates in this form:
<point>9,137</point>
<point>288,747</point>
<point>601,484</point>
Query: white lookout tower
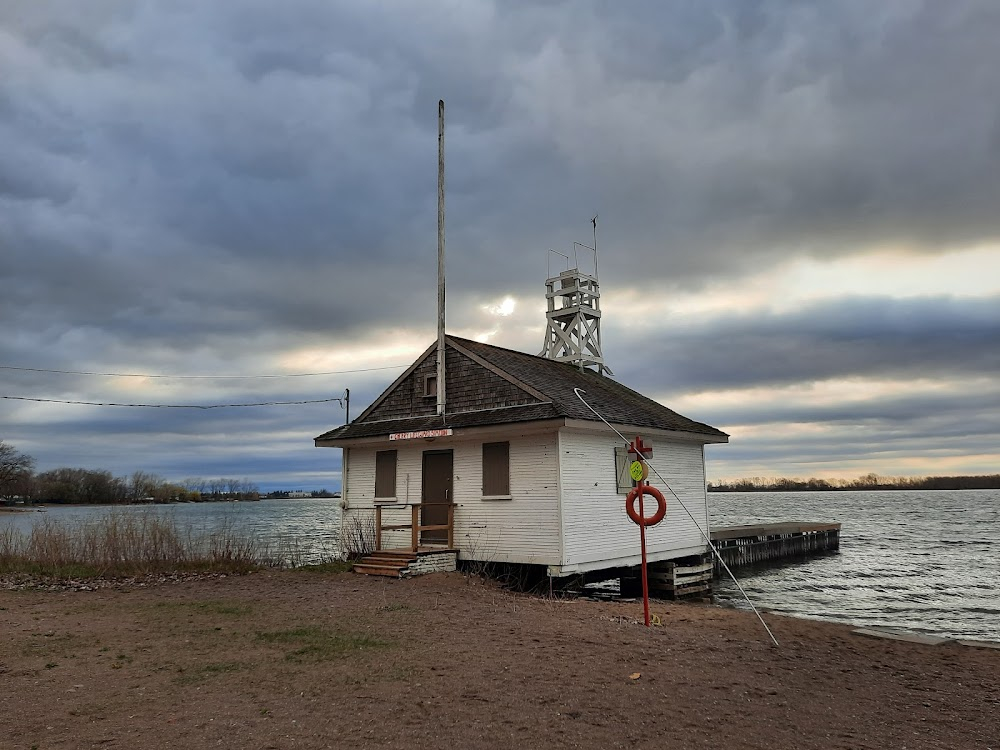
<point>573,330</point>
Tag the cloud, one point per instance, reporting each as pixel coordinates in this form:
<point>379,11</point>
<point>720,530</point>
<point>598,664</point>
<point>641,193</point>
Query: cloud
<point>190,187</point>
<point>860,337</point>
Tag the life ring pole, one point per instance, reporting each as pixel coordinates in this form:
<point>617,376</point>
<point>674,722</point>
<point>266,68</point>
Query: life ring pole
<point>641,450</point>
<point>642,543</point>
<point>708,540</point>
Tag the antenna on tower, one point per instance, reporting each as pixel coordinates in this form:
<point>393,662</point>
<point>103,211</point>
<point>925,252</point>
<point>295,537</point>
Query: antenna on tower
<point>573,330</point>
<point>594,222</point>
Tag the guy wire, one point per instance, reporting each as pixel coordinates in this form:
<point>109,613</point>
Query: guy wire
<point>708,539</point>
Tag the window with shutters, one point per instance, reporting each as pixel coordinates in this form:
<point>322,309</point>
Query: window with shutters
<point>624,480</point>
<point>385,475</point>
<point>496,470</point>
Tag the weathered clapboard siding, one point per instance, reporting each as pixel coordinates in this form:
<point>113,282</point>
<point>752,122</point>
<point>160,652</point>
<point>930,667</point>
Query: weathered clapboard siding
<point>597,533</point>
<point>523,529</point>
<point>360,494</point>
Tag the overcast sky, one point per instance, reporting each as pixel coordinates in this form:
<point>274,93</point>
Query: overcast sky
<point>799,219</point>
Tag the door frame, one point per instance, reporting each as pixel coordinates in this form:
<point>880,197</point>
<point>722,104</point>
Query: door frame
<point>438,512</point>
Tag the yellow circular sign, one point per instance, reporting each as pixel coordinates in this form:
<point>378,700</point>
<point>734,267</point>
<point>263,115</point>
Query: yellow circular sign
<point>635,471</point>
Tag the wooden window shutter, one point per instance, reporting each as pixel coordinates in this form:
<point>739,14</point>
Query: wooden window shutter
<point>624,481</point>
<point>496,469</point>
<point>385,474</point>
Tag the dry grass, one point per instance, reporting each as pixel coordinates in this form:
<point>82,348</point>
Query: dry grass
<point>357,534</point>
<point>126,544</point>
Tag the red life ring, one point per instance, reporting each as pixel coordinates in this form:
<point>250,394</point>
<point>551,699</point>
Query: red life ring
<point>661,506</point>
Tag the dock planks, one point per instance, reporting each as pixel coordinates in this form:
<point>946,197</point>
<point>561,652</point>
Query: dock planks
<point>753,544</point>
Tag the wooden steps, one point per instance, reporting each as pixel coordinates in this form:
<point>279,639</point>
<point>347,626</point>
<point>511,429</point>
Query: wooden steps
<point>386,563</point>
<point>402,563</point>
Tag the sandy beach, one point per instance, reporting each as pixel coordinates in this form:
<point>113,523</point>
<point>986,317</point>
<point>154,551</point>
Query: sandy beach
<point>307,660</point>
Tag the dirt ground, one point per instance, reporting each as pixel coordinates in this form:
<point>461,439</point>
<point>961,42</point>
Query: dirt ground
<point>306,660</point>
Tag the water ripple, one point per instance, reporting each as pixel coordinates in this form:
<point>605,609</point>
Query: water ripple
<point>919,560</point>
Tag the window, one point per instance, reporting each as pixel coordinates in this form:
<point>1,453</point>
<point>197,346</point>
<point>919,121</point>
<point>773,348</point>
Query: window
<point>496,469</point>
<point>385,475</point>
<point>625,483</point>
<point>430,386</point>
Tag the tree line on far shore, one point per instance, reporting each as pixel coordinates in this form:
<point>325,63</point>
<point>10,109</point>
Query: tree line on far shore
<point>867,482</point>
<point>19,482</point>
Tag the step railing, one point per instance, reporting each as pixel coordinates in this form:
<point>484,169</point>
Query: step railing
<point>414,524</point>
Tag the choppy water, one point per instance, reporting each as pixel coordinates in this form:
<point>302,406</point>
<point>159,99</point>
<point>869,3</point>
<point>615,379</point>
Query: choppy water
<point>307,528</point>
<point>925,561</point>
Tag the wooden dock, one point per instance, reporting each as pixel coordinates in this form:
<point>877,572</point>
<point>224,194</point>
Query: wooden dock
<point>740,546</point>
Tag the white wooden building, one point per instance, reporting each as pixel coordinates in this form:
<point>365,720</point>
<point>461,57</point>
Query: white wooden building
<point>518,467</point>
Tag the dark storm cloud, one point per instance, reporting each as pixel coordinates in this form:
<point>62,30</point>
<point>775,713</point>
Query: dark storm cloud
<point>265,444</point>
<point>277,138</point>
<point>841,338</point>
<point>974,415</point>
<point>193,186</point>
<point>857,442</point>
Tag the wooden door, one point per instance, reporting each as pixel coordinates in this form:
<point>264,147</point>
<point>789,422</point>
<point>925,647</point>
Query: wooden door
<point>435,495</point>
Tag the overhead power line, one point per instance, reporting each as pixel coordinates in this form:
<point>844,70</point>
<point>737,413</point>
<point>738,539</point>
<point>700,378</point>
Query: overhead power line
<point>202,377</point>
<point>174,406</point>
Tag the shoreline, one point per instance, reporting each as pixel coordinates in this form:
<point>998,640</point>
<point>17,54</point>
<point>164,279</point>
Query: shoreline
<point>32,582</point>
<point>443,660</point>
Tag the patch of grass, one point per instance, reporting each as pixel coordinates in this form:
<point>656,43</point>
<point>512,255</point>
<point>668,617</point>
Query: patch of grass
<point>332,566</point>
<point>314,643</point>
<point>54,644</point>
<point>51,570</point>
<point>205,671</point>
<point>210,607</point>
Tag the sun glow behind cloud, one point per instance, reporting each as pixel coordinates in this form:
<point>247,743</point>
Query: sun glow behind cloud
<point>504,308</point>
<point>973,272</point>
<point>862,430</point>
<point>834,392</point>
<point>384,349</point>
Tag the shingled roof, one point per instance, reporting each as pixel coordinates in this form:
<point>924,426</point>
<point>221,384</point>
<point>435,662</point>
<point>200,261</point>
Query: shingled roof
<point>536,388</point>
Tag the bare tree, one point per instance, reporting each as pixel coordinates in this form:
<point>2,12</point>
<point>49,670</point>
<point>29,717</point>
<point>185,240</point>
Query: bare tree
<point>143,485</point>
<point>15,469</point>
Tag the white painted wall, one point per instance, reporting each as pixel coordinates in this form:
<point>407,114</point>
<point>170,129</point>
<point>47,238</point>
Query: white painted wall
<point>523,529</point>
<point>597,533</point>
<point>588,530</point>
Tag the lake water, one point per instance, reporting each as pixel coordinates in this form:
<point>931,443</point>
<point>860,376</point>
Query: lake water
<point>926,561</point>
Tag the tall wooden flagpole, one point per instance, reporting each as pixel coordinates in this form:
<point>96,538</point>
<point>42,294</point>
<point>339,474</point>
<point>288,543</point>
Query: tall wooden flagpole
<point>440,340</point>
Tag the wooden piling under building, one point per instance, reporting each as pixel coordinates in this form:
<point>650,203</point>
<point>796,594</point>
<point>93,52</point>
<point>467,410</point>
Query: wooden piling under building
<point>740,546</point>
